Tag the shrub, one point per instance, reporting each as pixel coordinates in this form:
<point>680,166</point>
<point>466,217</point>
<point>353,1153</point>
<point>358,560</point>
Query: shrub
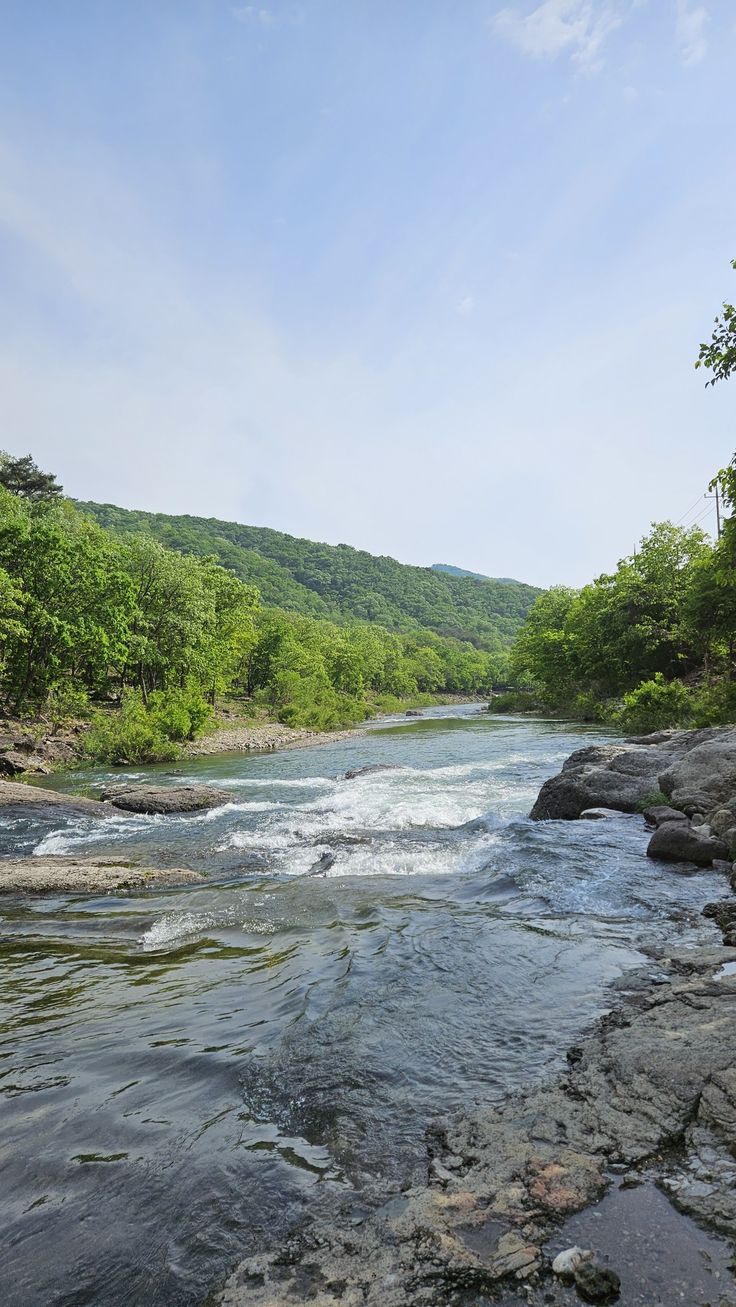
<point>65,702</point>
<point>655,705</point>
<point>130,735</point>
<point>715,703</point>
<point>179,714</point>
<point>655,799</point>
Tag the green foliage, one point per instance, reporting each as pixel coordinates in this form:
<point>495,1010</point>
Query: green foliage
<point>339,583</point>
<point>132,735</point>
<point>714,702</point>
<point>179,714</point>
<point>719,353</point>
<point>66,702</point>
<point>654,799</point>
<point>654,705</point>
<point>21,477</point>
<point>648,618</point>
<point>86,613</point>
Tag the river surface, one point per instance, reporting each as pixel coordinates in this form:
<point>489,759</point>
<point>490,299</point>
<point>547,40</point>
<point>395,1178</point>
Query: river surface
<point>183,1074</point>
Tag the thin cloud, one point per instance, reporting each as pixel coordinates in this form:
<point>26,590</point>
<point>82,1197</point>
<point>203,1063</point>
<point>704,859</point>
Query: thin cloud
<point>253,15</point>
<point>690,25</point>
<point>578,28</point>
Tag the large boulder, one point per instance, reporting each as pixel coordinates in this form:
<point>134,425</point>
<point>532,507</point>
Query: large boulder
<point>621,776</point>
<point>161,799</point>
<point>704,776</point>
<point>676,841</point>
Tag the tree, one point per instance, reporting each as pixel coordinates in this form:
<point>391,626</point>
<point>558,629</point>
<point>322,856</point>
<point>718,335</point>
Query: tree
<point>22,477</point>
<point>719,353</point>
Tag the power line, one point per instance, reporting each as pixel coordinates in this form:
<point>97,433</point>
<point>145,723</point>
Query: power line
<point>688,511</point>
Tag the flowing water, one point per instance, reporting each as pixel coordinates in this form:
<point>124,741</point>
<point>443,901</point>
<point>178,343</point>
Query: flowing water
<point>184,1073</point>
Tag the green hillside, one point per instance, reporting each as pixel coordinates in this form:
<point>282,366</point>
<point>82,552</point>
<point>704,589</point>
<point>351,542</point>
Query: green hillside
<point>477,576</point>
<point>337,581</point>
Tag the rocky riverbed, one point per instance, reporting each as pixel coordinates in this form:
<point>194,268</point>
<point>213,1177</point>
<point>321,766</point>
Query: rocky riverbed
<point>342,1054</point>
<point>648,1098</point>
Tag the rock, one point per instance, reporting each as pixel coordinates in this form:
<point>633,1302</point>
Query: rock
<point>57,875</point>
<point>566,1263</point>
<point>660,1070</point>
<point>161,799</point>
<point>413,712</point>
<point>604,776</point>
<point>660,813</point>
<point>675,841</point>
<point>599,814</point>
<point>322,864</point>
<point>12,763</point>
<point>368,771</point>
<point>704,778</point>
<point>13,793</point>
<point>596,1283</point>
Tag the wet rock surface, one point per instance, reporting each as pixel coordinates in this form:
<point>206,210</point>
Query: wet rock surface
<point>678,841</point>
<point>161,799</point>
<point>653,1085</point>
<point>16,793</point>
<point>694,770</point>
<point>39,875</point>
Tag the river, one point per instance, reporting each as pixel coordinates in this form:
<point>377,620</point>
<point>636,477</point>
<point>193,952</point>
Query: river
<point>185,1073</point>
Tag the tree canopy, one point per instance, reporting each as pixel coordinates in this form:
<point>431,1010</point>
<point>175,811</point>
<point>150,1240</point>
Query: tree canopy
<point>718,354</point>
<point>22,477</point>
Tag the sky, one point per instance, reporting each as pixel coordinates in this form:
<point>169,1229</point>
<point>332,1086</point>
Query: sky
<point>428,278</point>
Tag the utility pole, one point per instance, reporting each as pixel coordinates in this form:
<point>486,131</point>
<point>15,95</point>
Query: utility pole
<point>718,510</point>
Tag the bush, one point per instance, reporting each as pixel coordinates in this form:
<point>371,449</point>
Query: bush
<point>65,702</point>
<point>655,705</point>
<point>654,799</point>
<point>715,703</point>
<point>179,714</point>
<point>131,735</point>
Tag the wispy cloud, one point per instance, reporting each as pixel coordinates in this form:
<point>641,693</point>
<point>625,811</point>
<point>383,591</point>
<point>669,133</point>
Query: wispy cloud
<point>255,16</point>
<point>690,24</point>
<point>578,28</point>
<point>466,305</point>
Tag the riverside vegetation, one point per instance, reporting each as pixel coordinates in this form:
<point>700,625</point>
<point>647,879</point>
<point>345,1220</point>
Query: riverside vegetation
<point>142,639</point>
<point>653,644</point>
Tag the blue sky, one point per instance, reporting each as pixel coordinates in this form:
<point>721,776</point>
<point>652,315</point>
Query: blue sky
<point>425,277</point>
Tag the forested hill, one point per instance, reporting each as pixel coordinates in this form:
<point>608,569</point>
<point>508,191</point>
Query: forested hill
<point>337,581</point>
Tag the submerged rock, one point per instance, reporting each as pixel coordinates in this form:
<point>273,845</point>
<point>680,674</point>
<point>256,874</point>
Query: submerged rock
<point>596,1283</point>
<point>160,799</point>
<point>372,767</point>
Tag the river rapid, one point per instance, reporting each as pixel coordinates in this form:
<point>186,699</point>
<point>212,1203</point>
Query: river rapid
<point>186,1073</point>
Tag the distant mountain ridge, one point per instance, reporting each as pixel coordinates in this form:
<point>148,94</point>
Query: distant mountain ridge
<point>476,576</point>
<point>339,582</point>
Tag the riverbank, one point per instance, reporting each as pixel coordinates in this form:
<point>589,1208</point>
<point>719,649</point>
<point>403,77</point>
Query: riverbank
<point>648,1100</point>
<point>37,746</point>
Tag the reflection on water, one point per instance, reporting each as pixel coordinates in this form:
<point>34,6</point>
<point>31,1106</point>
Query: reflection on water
<point>183,1073</point>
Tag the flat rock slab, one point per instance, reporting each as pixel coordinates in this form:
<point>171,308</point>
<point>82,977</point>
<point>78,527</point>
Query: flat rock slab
<point>67,875</point>
<point>161,799</point>
<point>14,792</point>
